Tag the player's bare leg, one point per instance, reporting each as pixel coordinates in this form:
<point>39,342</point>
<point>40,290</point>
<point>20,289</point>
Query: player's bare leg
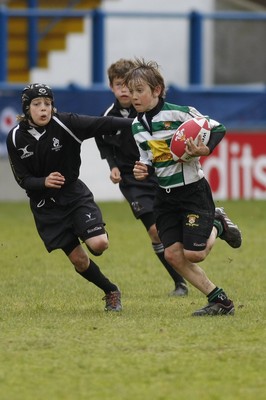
<point>218,302</point>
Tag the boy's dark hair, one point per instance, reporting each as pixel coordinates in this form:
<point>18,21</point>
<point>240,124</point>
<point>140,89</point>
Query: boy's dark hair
<point>147,71</point>
<point>119,69</point>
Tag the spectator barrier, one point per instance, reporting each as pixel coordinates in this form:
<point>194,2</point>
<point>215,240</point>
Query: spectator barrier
<point>236,169</point>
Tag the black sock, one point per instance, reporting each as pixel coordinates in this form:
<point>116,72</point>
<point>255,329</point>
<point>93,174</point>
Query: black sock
<point>217,295</point>
<point>94,275</point>
<point>159,251</point>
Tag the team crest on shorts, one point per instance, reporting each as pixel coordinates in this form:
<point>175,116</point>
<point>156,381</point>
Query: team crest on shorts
<point>192,220</point>
<point>136,206</point>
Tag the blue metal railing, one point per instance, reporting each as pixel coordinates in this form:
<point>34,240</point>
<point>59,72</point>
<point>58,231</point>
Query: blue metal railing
<point>98,17</point>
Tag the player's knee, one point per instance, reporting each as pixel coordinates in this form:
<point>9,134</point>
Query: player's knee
<point>195,256</point>
<point>173,255</point>
<point>101,244</point>
<point>98,244</point>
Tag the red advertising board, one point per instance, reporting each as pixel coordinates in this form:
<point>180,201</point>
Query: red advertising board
<point>237,167</point>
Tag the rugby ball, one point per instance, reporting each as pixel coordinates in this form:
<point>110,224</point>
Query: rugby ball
<point>190,128</point>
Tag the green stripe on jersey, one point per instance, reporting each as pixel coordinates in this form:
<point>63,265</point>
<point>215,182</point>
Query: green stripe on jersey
<point>171,181</point>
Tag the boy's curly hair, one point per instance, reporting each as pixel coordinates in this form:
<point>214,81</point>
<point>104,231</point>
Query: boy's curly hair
<point>145,71</point>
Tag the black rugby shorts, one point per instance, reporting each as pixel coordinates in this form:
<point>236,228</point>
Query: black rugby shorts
<point>63,220</point>
<point>139,194</point>
<point>185,215</point>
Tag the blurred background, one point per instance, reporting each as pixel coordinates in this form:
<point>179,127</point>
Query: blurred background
<point>211,54</point>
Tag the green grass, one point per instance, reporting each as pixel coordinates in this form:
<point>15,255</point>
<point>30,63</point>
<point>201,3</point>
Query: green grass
<point>56,342</point>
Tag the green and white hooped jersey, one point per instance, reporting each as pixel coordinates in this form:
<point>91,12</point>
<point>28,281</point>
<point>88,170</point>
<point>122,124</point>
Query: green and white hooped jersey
<point>155,151</point>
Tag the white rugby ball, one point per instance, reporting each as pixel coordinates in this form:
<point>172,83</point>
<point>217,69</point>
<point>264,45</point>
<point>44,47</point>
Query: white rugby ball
<point>190,128</point>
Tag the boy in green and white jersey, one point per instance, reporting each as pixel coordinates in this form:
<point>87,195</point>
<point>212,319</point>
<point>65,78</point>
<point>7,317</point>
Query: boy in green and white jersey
<point>186,218</point>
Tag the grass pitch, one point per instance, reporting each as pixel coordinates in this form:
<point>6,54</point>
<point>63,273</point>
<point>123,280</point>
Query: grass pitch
<point>57,343</point>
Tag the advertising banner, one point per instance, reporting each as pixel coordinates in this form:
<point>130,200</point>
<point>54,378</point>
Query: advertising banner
<point>237,167</point>
<point>235,170</point>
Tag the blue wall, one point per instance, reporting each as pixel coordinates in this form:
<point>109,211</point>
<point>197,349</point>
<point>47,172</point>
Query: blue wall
<point>237,109</point>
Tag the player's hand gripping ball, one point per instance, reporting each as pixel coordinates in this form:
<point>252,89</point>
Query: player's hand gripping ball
<point>190,128</point>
